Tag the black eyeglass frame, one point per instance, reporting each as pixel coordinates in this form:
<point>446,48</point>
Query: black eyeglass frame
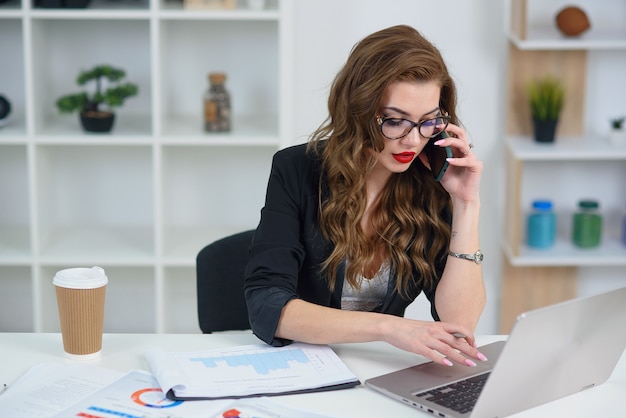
<point>380,120</point>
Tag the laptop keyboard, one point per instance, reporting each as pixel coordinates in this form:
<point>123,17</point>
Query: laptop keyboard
<point>460,396</point>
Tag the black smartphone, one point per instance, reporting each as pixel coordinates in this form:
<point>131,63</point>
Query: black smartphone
<point>437,155</point>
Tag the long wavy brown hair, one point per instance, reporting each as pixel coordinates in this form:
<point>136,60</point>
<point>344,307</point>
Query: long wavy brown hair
<point>411,220</point>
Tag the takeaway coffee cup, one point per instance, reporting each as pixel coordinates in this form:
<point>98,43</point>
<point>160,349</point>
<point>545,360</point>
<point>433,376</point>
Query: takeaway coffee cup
<point>80,299</point>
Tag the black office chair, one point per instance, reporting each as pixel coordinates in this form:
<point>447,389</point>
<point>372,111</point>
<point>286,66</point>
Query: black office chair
<point>219,283</point>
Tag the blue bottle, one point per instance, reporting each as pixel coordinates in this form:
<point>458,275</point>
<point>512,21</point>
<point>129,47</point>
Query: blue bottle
<point>541,225</point>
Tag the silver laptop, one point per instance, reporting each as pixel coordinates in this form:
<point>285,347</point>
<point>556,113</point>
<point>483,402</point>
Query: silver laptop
<point>551,352</point>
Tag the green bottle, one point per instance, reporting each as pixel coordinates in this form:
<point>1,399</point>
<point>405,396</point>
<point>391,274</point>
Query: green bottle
<point>587,224</point>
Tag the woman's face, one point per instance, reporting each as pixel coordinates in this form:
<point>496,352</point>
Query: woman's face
<point>415,101</point>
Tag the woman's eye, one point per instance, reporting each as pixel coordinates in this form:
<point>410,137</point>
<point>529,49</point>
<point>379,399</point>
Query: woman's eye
<point>395,122</point>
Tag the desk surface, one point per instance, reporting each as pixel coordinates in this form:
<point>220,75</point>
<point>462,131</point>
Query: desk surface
<point>124,352</point>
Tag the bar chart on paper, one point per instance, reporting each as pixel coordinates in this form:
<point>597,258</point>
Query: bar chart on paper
<point>259,369</point>
<point>263,363</point>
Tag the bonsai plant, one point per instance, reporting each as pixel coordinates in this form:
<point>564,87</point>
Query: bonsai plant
<point>617,134</point>
<point>93,116</point>
<point>546,97</point>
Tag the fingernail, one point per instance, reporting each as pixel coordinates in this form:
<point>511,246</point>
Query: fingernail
<point>481,357</point>
<point>447,362</point>
<point>470,363</point>
<point>439,142</point>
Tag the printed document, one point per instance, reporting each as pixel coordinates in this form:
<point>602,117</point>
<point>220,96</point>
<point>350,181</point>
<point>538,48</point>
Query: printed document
<point>251,370</point>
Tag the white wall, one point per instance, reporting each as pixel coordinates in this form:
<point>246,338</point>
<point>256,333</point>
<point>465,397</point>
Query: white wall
<point>470,36</point>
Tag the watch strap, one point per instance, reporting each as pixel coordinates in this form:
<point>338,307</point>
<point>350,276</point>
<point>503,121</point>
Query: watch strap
<point>476,257</point>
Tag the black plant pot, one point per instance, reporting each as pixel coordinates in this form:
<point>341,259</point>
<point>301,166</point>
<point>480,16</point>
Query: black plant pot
<point>545,130</point>
<point>97,121</point>
<point>5,110</point>
<point>76,4</point>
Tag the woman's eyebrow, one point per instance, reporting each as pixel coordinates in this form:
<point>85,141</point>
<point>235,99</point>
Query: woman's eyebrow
<point>403,113</point>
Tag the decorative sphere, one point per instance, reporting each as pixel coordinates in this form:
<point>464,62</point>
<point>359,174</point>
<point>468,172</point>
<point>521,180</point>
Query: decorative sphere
<point>572,21</point>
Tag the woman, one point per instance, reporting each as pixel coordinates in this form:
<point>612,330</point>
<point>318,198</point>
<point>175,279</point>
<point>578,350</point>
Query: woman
<point>355,226</point>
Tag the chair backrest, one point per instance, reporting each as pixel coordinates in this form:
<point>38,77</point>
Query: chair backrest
<point>219,283</point>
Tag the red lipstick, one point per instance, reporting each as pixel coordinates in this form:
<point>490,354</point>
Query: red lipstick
<point>404,157</point>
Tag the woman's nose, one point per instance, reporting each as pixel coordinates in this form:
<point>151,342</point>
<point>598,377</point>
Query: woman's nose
<point>413,136</point>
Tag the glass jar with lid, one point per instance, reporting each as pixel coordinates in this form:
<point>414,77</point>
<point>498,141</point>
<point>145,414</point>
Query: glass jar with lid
<point>541,225</point>
<point>587,228</point>
<point>217,105</point>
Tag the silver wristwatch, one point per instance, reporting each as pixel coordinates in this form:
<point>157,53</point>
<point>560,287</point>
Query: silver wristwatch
<point>477,257</point>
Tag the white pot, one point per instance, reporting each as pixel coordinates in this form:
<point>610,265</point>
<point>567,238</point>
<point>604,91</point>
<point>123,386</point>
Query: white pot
<point>617,136</point>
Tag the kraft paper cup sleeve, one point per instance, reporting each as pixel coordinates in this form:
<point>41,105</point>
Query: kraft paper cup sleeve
<point>80,297</point>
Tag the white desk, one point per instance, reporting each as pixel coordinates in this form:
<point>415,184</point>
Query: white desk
<point>20,351</point>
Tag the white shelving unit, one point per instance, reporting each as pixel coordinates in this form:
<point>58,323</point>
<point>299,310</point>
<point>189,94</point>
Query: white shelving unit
<point>144,199</point>
<point>582,163</point>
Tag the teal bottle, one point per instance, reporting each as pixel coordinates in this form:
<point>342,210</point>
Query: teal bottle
<point>587,230</point>
<point>541,225</point>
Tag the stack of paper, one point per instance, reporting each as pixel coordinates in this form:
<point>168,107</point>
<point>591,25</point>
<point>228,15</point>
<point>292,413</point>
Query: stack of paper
<point>62,390</point>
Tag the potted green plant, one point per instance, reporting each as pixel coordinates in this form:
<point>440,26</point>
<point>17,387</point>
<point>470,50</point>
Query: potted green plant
<point>617,134</point>
<point>546,97</point>
<point>95,109</point>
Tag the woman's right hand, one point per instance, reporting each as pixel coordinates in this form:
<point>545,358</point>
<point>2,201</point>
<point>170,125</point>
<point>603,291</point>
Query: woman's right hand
<point>441,342</point>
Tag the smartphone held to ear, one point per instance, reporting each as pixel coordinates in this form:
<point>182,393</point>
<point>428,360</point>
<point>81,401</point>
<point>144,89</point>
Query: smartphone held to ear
<point>437,156</point>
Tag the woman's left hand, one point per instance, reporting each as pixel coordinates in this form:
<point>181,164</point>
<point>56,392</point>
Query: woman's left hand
<point>462,178</point>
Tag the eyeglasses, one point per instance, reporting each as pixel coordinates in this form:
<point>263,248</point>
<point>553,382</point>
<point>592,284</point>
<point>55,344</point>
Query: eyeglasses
<point>396,128</point>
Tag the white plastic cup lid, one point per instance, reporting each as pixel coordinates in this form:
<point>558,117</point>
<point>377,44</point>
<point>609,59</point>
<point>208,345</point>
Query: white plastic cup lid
<point>81,278</point>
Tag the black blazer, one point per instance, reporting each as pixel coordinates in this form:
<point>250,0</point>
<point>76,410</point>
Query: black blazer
<point>288,248</point>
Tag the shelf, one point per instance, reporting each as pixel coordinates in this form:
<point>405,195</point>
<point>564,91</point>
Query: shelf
<point>550,39</point>
<point>246,131</point>
<point>582,148</point>
<point>610,253</point>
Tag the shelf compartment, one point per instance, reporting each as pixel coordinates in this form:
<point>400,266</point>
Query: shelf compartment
<point>15,244</point>
<point>16,307</point>
<point>129,302</point>
<point>120,9</point>
<point>565,181</point>
<point>533,26</point>
<point>176,9</point>
<point>95,203</point>
<point>180,305</point>
<point>251,65</point>
<point>12,80</point>
<point>62,48</point>
<point>200,206</point>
